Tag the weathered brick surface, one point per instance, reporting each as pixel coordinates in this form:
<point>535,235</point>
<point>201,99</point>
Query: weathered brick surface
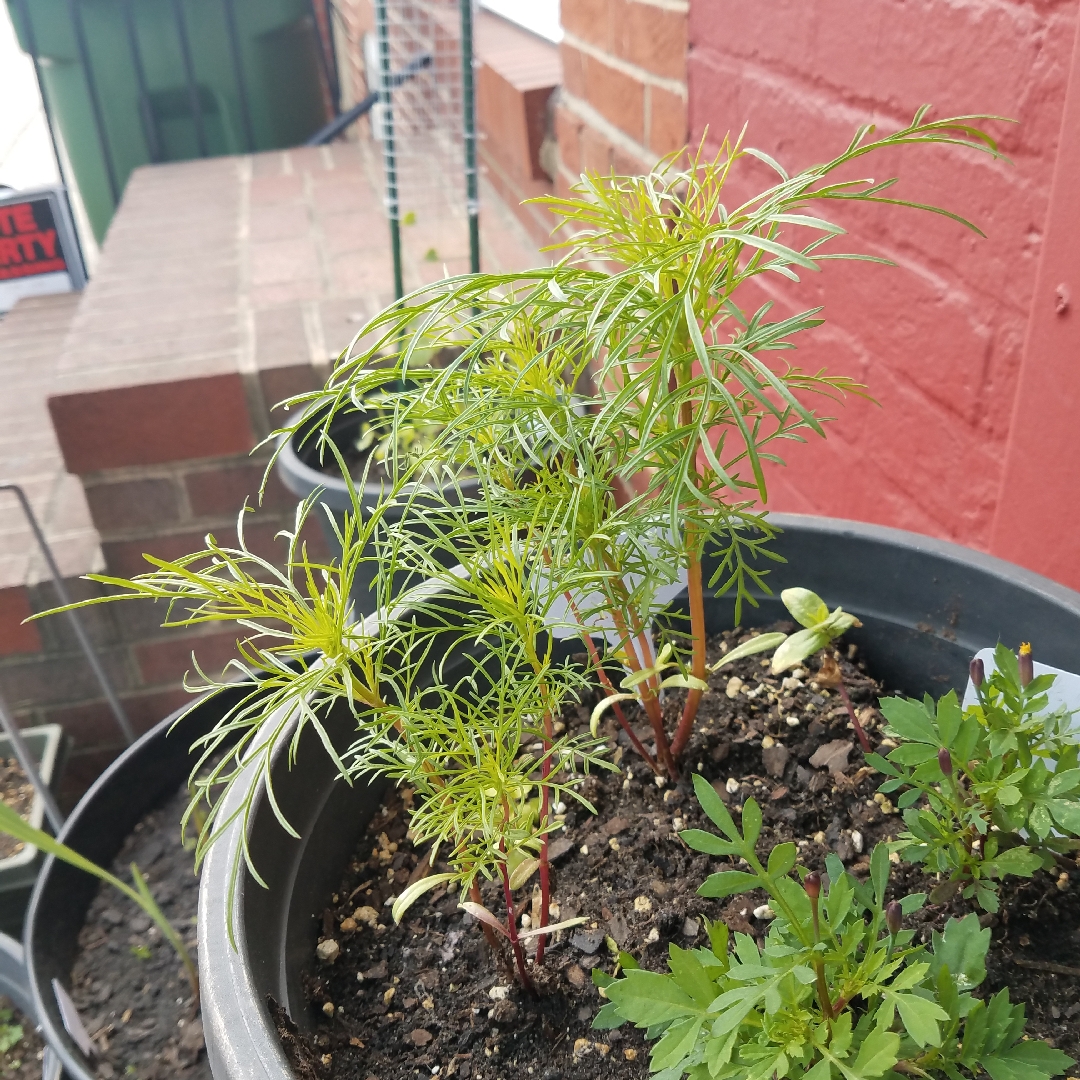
<point>666,120</point>
<point>152,423</point>
<point>159,661</point>
<point>122,505</point>
<point>624,102</point>
<point>614,93</point>
<point>14,636</point>
<point>31,346</point>
<point>939,339</point>
<point>279,384</point>
<point>516,74</point>
<point>220,491</point>
<point>649,35</point>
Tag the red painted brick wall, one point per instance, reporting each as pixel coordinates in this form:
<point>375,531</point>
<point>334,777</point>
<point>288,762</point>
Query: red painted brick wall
<point>940,339</point>
<point>624,99</point>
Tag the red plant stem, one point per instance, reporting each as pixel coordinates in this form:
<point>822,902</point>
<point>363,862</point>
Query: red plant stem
<point>649,701</point>
<point>601,674</point>
<point>511,926</point>
<point>474,894</point>
<point>822,989</point>
<point>622,609</point>
<point>545,866</point>
<point>864,742</point>
<point>695,591</point>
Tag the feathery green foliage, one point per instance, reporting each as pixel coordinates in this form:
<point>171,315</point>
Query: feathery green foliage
<point>623,397</point>
<point>615,414</point>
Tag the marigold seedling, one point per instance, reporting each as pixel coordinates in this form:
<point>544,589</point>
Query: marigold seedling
<point>845,993</point>
<point>822,627</point>
<point>986,791</point>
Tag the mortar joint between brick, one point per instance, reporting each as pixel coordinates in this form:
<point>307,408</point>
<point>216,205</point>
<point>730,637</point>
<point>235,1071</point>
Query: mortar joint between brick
<point>172,470</point>
<point>317,236</point>
<point>600,124</point>
<point>221,525</point>
<point>646,110</point>
<point>257,405</point>
<point>633,71</point>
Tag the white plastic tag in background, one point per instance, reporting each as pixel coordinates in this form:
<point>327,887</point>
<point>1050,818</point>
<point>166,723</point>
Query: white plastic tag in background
<point>1065,691</point>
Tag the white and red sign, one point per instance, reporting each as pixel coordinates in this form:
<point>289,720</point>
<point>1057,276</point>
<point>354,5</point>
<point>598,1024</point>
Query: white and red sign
<point>38,250</point>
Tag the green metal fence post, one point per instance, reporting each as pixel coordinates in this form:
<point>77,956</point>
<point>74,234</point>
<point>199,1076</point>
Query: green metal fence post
<point>468,108</point>
<point>393,208</point>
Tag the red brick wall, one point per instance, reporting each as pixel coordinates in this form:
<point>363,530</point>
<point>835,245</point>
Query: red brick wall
<point>939,340</point>
<point>48,680</point>
<point>162,465</point>
<point>516,75</point>
<point>624,99</point>
<point>352,19</point>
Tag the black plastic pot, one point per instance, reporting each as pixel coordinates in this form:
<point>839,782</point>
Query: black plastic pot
<point>143,777</point>
<point>926,607</point>
<point>299,468</point>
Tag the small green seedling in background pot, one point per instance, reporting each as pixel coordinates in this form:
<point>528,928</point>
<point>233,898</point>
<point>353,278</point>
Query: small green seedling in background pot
<point>10,1033</point>
<point>822,628</point>
<point>840,989</point>
<point>999,782</point>
<point>12,824</point>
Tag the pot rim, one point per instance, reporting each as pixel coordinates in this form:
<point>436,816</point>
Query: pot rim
<point>241,1039</point>
<point>302,479</point>
<point>125,769</point>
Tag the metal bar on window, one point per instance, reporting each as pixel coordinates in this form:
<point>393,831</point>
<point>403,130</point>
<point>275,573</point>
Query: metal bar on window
<point>238,70</point>
<point>189,73</point>
<point>95,101</point>
<point>153,142</point>
<point>386,100</point>
<point>468,108</point>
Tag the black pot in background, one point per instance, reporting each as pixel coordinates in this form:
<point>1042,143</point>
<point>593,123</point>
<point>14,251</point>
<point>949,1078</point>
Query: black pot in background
<point>926,607</point>
<point>298,466</point>
<point>48,745</point>
<point>147,774</point>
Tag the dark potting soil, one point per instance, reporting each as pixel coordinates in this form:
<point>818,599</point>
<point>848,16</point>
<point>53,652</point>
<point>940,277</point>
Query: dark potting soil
<point>428,998</point>
<point>21,1047</point>
<point>128,984</point>
<point>17,791</point>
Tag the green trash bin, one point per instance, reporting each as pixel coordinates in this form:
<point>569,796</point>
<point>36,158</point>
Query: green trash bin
<point>129,82</point>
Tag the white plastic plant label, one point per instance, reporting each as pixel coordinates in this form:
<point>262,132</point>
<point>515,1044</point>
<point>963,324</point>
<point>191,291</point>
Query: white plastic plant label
<point>1065,691</point>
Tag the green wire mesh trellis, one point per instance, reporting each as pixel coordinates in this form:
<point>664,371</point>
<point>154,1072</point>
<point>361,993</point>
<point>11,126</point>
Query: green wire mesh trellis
<point>426,126</point>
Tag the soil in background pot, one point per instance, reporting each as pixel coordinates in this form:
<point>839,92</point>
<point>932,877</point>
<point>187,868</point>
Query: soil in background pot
<point>21,1047</point>
<point>17,791</point>
<point>128,984</point>
<point>398,1003</point>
